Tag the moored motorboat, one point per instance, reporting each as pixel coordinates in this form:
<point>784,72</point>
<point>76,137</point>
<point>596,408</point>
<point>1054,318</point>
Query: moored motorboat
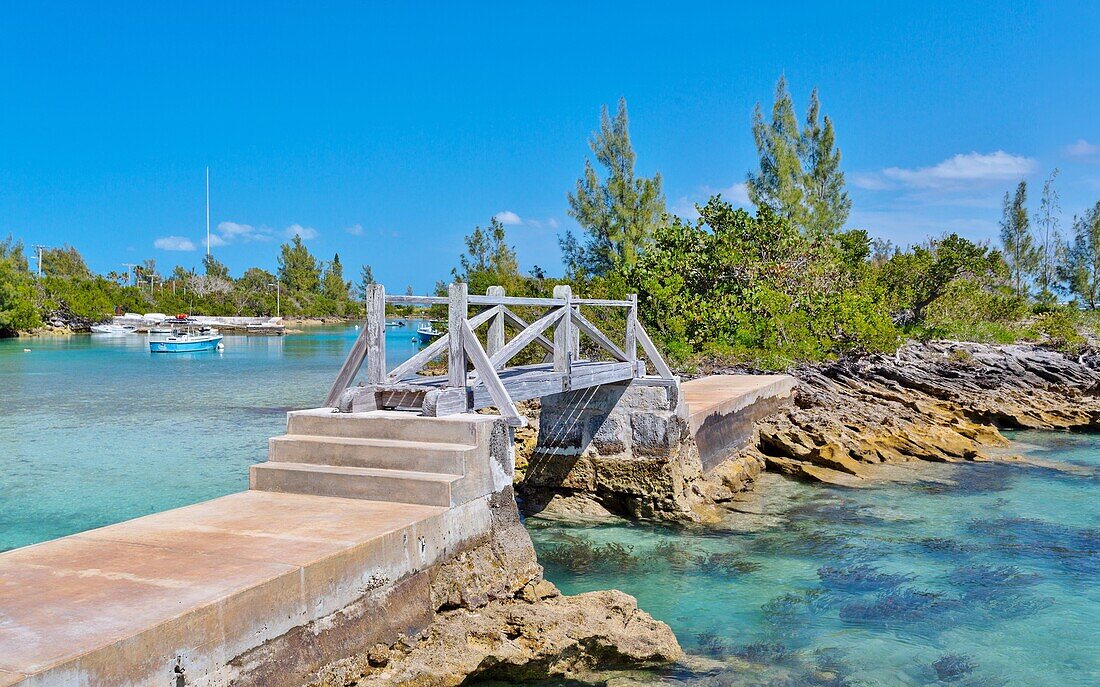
<point>426,332</point>
<point>113,329</point>
<point>185,341</point>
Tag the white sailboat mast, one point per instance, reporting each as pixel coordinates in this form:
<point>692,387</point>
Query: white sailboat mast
<point>208,211</point>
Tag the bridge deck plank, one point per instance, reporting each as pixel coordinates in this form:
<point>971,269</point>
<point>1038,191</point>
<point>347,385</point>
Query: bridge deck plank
<point>532,381</point>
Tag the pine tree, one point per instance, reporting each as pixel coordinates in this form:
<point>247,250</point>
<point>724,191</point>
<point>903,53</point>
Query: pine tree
<point>366,278</point>
<point>489,260</point>
<point>827,203</point>
<point>1020,251</point>
<point>1081,268</point>
<point>799,176</point>
<point>298,269</point>
<point>778,185</point>
<point>618,212</point>
<point>1050,240</point>
<point>334,286</point>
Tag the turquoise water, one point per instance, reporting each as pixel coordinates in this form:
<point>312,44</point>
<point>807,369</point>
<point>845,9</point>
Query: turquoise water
<point>96,429</point>
<point>968,575</point>
<point>975,575</point>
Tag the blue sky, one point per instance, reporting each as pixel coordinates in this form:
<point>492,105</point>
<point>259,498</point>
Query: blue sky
<point>387,133</point>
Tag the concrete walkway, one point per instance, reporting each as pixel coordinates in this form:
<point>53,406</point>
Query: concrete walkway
<point>214,577</point>
<point>722,409</point>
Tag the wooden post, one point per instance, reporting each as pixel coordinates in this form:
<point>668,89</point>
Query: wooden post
<point>496,326</point>
<point>631,349</point>
<point>376,333</point>
<point>456,322</point>
<point>575,342</point>
<point>563,332</point>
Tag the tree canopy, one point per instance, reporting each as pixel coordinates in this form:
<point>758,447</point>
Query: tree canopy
<point>617,211</point>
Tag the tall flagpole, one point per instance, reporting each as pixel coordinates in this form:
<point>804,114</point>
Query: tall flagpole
<point>208,211</point>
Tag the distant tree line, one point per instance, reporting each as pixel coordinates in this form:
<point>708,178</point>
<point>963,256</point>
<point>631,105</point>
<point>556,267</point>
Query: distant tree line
<point>68,291</point>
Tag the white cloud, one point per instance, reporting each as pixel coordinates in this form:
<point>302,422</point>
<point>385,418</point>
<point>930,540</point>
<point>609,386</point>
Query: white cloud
<point>871,181</point>
<point>306,233</point>
<point>508,218</point>
<point>1082,148</point>
<point>736,193</point>
<point>178,243</point>
<point>228,232</point>
<point>955,173</point>
<point>355,230</point>
<point>216,241</point>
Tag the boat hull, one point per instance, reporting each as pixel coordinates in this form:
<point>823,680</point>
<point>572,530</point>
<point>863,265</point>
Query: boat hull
<point>206,344</point>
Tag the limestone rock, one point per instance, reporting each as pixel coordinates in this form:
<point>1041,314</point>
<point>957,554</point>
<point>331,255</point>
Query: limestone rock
<point>941,401</point>
<point>565,637</point>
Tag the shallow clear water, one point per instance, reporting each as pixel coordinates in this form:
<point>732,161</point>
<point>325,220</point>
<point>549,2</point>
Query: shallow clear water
<point>989,572</point>
<point>96,429</point>
<point>968,575</point>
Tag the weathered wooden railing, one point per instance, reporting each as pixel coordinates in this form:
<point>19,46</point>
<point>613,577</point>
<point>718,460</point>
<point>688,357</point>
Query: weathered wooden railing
<point>462,390</point>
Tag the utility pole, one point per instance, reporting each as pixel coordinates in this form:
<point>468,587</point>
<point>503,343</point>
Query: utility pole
<point>39,250</point>
<point>129,272</point>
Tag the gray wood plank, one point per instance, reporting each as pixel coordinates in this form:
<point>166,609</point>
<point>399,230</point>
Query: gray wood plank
<point>495,339</point>
<point>590,330</point>
<point>652,353</point>
<point>518,321</point>
<point>631,328</point>
<point>456,320</point>
<point>376,333</point>
<point>434,349</point>
<point>563,336</point>
<point>521,340</point>
<point>488,377</point>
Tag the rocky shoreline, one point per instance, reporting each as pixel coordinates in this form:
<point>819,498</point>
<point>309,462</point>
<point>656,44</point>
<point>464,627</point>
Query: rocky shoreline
<point>942,401</point>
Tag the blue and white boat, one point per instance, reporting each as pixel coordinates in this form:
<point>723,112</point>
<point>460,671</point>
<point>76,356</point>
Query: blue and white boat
<point>185,341</point>
<point>426,332</point>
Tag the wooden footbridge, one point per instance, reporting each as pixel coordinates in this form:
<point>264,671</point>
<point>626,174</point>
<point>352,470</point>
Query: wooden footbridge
<point>479,373</point>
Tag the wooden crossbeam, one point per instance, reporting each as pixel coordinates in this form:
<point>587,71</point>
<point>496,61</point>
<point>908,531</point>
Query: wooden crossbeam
<point>521,340</point>
<point>435,348</point>
<point>518,321</point>
<point>652,353</point>
<point>488,376</point>
<point>596,335</point>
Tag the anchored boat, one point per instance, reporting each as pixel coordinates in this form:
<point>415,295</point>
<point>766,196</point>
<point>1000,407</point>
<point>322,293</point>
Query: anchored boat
<point>112,329</point>
<point>426,332</point>
<point>186,341</point>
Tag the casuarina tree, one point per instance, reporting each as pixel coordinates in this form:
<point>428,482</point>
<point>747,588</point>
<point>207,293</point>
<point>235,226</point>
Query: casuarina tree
<point>617,210</point>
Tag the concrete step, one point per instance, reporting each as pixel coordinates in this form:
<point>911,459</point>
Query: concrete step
<point>390,454</point>
<point>374,484</point>
<point>386,424</point>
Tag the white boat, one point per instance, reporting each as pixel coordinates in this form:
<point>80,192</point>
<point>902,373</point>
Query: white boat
<point>114,329</point>
<point>185,341</point>
<point>426,332</point>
